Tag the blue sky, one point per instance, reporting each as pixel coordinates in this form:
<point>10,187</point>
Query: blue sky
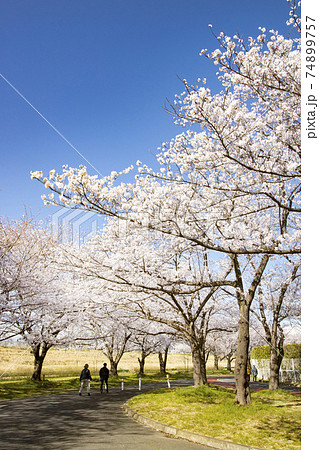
<point>100,72</point>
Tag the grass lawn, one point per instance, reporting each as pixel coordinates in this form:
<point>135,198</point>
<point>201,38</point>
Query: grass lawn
<point>27,388</point>
<point>272,421</point>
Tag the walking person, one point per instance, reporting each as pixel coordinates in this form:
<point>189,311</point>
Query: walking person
<point>104,377</point>
<point>85,377</point>
<point>254,372</point>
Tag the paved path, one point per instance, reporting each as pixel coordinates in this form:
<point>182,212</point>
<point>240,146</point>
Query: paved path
<point>68,421</point>
<point>228,381</point>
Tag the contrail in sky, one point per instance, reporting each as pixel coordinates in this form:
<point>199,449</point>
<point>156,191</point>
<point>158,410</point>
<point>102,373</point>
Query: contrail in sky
<point>49,123</point>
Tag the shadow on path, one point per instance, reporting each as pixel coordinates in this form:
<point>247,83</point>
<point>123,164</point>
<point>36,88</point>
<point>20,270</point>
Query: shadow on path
<point>70,421</point>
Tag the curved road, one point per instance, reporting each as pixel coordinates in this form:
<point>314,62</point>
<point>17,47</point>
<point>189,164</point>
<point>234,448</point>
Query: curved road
<point>68,421</point>
<point>229,381</point>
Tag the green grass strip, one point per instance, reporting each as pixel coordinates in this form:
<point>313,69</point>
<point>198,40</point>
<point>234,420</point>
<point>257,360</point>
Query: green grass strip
<point>25,387</point>
<point>272,421</point>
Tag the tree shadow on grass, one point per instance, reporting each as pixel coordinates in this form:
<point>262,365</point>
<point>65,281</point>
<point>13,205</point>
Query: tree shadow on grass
<point>284,428</point>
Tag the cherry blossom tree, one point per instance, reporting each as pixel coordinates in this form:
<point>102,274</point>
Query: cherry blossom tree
<point>10,233</point>
<point>35,304</point>
<point>165,342</point>
<point>277,302</point>
<point>231,189</point>
<point>114,346</point>
<point>216,347</point>
<point>161,280</point>
<point>105,331</point>
<point>229,348</point>
<point>146,342</point>
<point>223,342</point>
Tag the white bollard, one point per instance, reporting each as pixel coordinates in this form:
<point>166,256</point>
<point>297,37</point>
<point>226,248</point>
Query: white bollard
<point>139,384</point>
<point>168,383</point>
<point>122,385</point>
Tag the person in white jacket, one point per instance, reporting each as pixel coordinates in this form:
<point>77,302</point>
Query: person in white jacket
<point>85,377</point>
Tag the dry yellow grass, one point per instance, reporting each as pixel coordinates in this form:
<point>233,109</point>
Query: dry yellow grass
<point>18,362</point>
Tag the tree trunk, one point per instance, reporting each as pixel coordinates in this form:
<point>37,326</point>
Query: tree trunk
<point>141,362</point>
<point>215,362</point>
<point>163,360</point>
<point>113,367</point>
<point>276,356</point>
<point>229,359</point>
<point>115,356</point>
<point>274,367</point>
<point>242,379</point>
<point>113,361</point>
<point>39,353</point>
<point>244,302</point>
<point>199,365</point>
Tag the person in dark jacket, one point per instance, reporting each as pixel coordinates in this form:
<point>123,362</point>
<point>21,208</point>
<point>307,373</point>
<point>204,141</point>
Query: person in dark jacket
<point>254,372</point>
<point>85,377</point>
<point>104,377</point>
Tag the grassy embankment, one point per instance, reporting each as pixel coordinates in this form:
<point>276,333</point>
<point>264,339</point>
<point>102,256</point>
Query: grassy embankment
<point>272,421</point>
